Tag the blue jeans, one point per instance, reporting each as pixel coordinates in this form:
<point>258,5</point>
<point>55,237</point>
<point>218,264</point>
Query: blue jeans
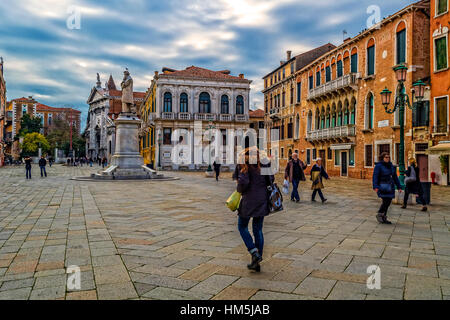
<point>294,194</point>
<point>28,172</point>
<point>43,171</point>
<point>319,191</point>
<point>257,233</point>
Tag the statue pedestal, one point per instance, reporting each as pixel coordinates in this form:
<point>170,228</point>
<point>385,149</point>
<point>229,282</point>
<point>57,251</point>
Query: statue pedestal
<point>127,162</point>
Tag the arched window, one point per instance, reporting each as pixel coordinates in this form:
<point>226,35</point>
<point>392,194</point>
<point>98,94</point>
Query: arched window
<point>353,112</point>
<point>340,67</point>
<point>184,102</point>
<point>167,102</point>
<point>239,105</point>
<point>369,111</point>
<point>333,117</point>
<point>401,42</point>
<point>318,77</point>
<point>371,57</point>
<point>346,113</point>
<point>204,103</point>
<point>309,121</point>
<point>328,118</point>
<point>322,119</point>
<point>354,61</point>
<point>224,105</point>
<point>317,124</point>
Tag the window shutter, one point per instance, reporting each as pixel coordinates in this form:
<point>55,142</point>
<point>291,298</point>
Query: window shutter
<point>354,63</point>
<point>371,60</point>
<point>426,113</point>
<point>401,46</point>
<point>414,114</point>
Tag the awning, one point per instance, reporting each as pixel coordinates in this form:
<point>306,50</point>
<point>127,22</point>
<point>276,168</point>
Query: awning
<point>341,146</point>
<point>440,149</point>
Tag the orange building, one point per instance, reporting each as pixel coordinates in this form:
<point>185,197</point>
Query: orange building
<point>340,115</point>
<point>48,114</point>
<point>440,89</point>
<point>2,114</point>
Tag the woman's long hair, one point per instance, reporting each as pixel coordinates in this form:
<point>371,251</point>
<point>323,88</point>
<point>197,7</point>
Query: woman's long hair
<point>249,157</point>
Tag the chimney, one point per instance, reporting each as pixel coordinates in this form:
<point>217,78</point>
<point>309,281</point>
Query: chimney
<point>288,55</point>
<point>30,97</point>
<point>241,76</point>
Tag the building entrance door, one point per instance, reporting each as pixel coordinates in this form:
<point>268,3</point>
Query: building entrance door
<point>344,165</point>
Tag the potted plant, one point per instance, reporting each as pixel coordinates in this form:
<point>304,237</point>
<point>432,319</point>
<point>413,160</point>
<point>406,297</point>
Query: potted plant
<point>444,164</point>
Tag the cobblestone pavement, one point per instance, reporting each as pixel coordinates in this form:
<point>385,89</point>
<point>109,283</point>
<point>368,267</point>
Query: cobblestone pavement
<point>177,240</point>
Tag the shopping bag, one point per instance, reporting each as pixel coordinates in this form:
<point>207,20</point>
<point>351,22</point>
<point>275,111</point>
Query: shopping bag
<point>285,187</point>
<point>233,201</point>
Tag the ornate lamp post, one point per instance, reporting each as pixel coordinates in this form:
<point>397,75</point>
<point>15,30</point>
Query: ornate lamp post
<point>160,140</point>
<point>401,102</point>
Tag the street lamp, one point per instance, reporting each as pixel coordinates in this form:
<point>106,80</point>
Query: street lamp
<point>159,148</point>
<point>402,101</point>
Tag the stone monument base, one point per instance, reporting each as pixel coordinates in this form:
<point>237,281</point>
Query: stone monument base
<point>127,163</point>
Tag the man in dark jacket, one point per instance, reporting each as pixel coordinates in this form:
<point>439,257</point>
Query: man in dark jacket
<point>42,164</point>
<point>294,173</point>
<point>28,167</point>
<point>217,166</point>
<point>413,187</point>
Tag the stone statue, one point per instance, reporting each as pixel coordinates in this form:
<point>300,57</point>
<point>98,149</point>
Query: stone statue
<point>127,93</point>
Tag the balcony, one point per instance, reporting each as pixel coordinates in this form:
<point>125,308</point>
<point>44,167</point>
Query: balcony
<point>226,117</point>
<point>441,129</point>
<point>275,113</point>
<point>241,118</point>
<point>205,116</point>
<point>168,116</point>
<point>184,116</point>
<point>337,133</point>
<point>342,83</point>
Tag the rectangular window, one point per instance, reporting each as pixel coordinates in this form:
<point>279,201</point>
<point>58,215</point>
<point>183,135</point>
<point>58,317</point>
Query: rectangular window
<point>311,82</point>
<point>330,154</point>
<point>24,109</point>
<point>351,156</point>
<point>441,53</point>
<point>284,99</point>
<point>314,154</point>
<point>308,156</point>
<point>317,78</point>
<point>368,156</point>
<point>167,138</point>
<point>292,68</point>
<point>327,74</point>
<point>421,114</point>
<point>384,148</point>
<point>401,46</point>
<point>441,6</point>
<point>284,73</point>
<point>339,69</point>
<point>441,105</point>
<point>354,63</point>
<point>299,91</point>
<point>337,157</point>
<point>371,60</point>
<point>289,128</point>
<point>292,95</point>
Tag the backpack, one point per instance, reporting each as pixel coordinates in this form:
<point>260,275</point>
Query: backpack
<point>412,177</point>
<point>275,197</point>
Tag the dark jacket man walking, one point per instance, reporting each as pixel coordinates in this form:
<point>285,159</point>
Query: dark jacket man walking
<point>294,173</point>
<point>42,164</point>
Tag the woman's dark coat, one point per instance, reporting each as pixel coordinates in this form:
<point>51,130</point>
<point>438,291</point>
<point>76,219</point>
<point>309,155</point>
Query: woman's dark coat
<point>414,187</point>
<point>253,187</point>
<point>385,173</point>
<point>323,173</point>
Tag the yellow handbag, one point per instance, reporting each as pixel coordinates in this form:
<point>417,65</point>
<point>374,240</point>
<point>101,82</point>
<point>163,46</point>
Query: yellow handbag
<point>234,200</point>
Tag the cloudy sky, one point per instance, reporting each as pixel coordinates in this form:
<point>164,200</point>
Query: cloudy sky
<point>58,65</point>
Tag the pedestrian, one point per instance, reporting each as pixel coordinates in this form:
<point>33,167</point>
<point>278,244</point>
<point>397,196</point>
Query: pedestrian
<point>28,167</point>
<point>413,184</point>
<point>217,166</point>
<point>294,172</point>
<point>42,164</point>
<point>317,174</point>
<point>50,160</point>
<point>91,162</point>
<point>254,203</point>
<point>104,162</point>
<point>384,179</point>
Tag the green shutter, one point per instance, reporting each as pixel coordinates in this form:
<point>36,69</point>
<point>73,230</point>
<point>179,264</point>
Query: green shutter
<point>401,46</point>
<point>339,68</point>
<point>442,6</point>
<point>441,53</point>
<point>354,63</point>
<point>328,74</point>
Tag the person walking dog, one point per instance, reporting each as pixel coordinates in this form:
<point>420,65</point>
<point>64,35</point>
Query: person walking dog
<point>413,184</point>
<point>294,172</point>
<point>384,179</point>
<point>28,167</point>
<point>254,203</point>
<point>317,174</point>
<point>42,164</point>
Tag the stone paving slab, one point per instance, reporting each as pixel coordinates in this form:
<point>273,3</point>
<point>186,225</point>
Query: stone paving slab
<point>183,243</point>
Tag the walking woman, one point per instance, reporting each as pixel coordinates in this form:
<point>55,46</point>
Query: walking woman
<point>384,179</point>
<point>413,184</point>
<point>28,167</point>
<point>254,203</point>
<point>317,173</point>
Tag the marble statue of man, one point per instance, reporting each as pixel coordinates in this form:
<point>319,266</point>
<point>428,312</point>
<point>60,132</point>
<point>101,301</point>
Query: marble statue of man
<point>127,93</point>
